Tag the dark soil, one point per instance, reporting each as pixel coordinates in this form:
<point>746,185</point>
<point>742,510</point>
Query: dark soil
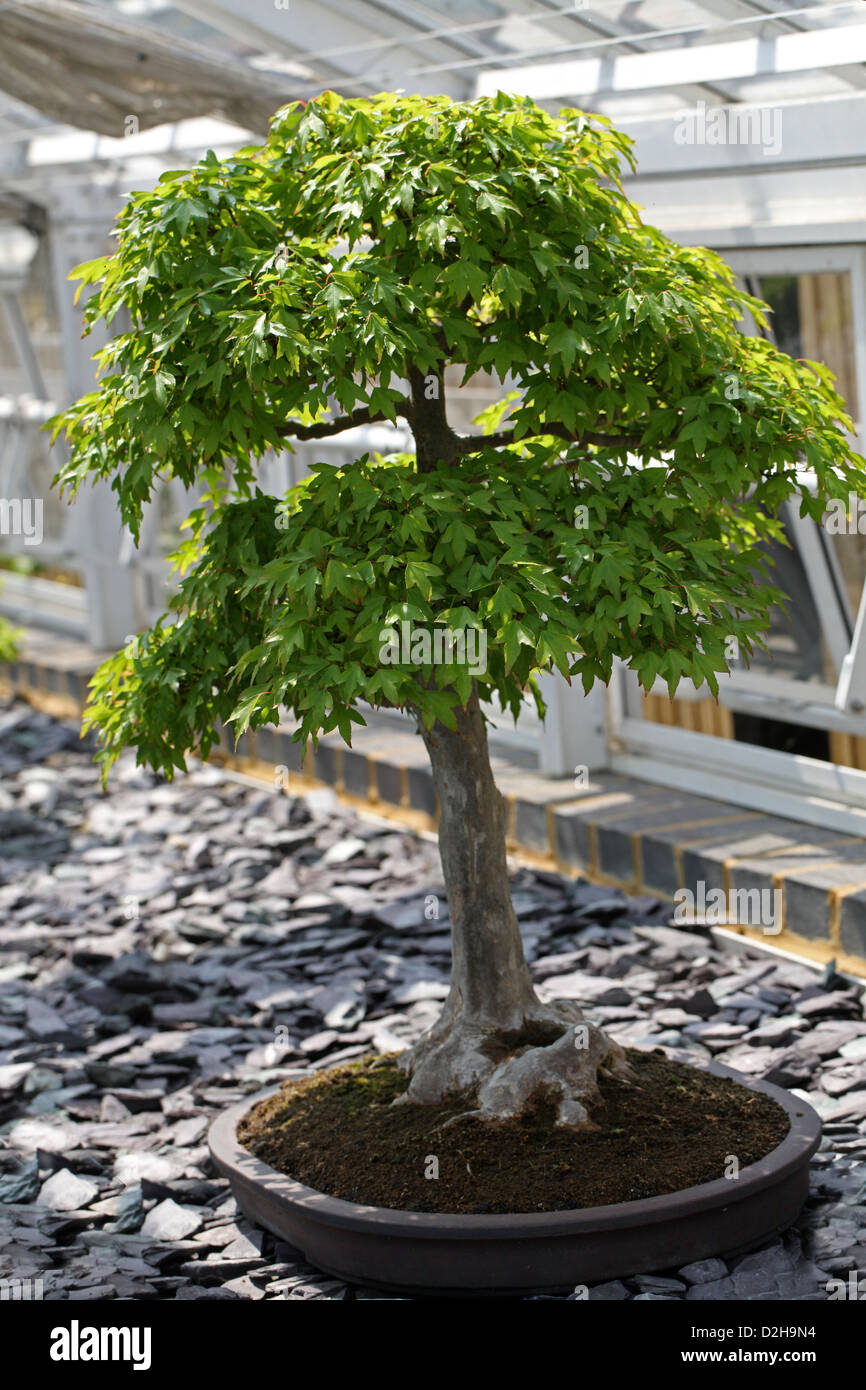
<point>676,1127</point>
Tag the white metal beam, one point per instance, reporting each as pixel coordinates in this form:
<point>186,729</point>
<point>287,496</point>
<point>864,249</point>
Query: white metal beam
<point>811,132</point>
<point>597,26</point>
<point>20,335</point>
<point>758,209</point>
<point>192,137</point>
<point>575,727</point>
<point>851,690</point>
<point>79,230</point>
<point>710,62</point>
<point>298,31</point>
<point>853,75</point>
<point>828,592</point>
<point>725,782</point>
<point>762,779</point>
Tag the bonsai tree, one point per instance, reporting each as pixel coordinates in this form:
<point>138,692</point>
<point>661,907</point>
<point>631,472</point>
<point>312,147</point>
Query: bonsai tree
<point>612,505</point>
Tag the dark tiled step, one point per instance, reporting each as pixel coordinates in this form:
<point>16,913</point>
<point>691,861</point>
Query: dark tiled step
<point>614,829</point>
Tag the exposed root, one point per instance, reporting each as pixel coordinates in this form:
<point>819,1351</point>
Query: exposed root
<point>464,1115</point>
<point>556,1052</point>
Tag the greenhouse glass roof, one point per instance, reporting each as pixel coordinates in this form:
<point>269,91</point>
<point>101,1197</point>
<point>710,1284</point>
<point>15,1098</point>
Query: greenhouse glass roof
<point>624,58</point>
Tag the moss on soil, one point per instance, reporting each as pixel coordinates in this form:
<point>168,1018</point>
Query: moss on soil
<point>676,1127</point>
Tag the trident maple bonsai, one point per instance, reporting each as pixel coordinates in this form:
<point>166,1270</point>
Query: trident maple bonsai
<point>612,507</point>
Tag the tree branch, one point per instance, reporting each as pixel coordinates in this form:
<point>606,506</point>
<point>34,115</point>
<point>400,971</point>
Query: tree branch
<point>435,441</point>
<point>324,428</point>
<point>474,443</point>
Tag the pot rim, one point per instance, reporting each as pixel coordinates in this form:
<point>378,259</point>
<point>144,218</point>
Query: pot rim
<point>801,1141</point>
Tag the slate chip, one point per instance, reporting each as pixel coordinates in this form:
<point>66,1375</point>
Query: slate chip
<point>153,941</point>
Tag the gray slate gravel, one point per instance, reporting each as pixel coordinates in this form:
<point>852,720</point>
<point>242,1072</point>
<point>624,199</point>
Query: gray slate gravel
<point>166,950</point>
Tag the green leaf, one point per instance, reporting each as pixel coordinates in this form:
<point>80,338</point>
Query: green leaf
<point>500,207</point>
<point>373,242</point>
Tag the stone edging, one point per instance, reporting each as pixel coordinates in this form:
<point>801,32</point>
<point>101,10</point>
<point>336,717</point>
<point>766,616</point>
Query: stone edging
<point>619,831</point>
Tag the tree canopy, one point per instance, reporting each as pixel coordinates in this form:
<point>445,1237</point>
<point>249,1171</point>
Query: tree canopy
<point>612,506</point>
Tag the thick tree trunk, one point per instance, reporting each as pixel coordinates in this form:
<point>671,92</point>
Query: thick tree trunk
<point>495,1041</point>
<point>490,979</point>
<point>435,441</point>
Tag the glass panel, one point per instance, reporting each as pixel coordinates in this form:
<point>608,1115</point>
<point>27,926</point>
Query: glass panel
<point>849,550</point>
<point>795,645</point>
<point>813,317</point>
